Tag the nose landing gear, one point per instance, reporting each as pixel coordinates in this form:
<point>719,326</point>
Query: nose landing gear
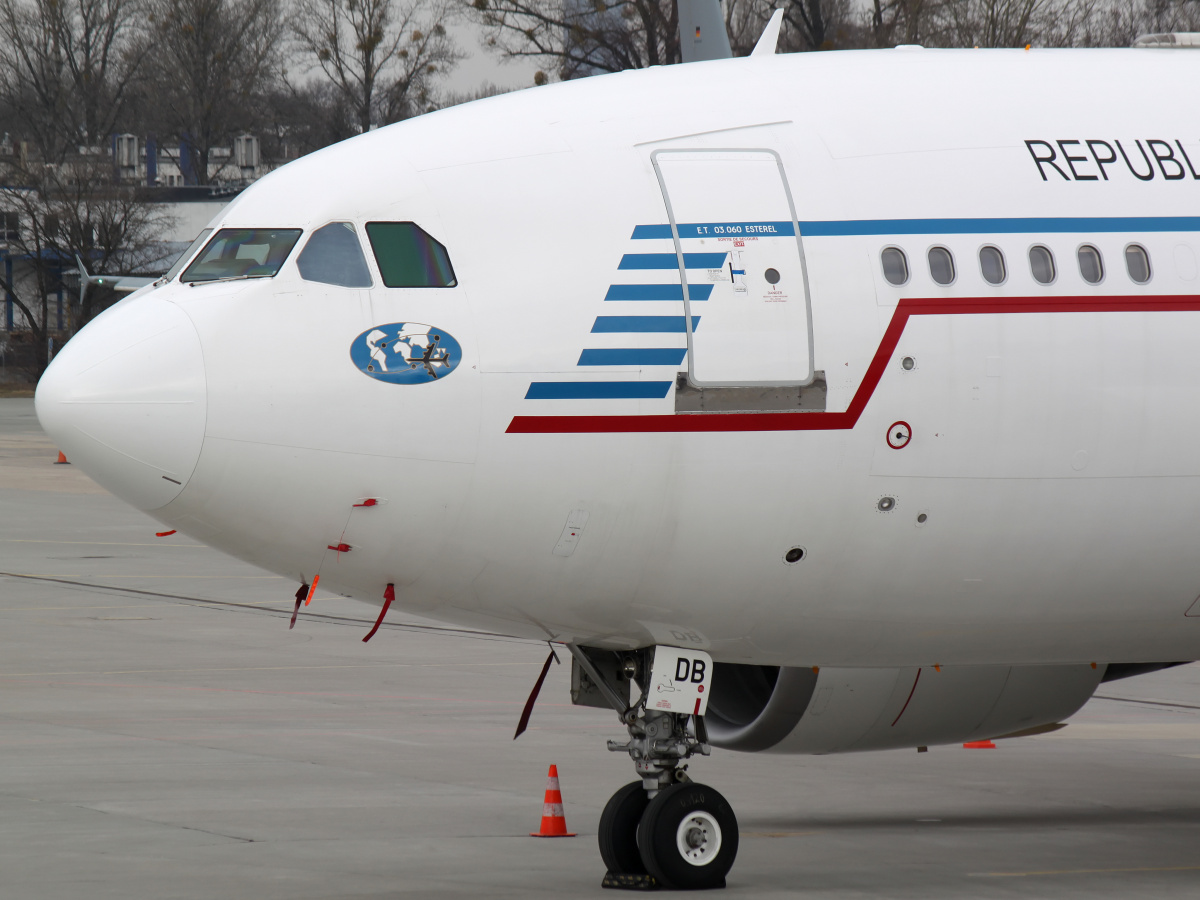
<point>664,830</point>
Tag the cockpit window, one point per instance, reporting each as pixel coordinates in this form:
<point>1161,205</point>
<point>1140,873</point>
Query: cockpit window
<point>187,254</point>
<point>242,253</point>
<point>333,255</point>
<point>408,257</point>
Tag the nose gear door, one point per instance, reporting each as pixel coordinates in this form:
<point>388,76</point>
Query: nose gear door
<point>755,327</point>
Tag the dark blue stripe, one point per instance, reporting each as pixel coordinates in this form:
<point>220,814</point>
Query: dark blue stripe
<point>633,356</point>
<point>597,390</point>
<point>671,261</point>
<point>643,324</point>
<point>715,229</point>
<point>1022,225</point>
<point>657,292</point>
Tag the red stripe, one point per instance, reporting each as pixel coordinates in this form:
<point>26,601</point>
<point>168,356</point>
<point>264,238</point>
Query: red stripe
<point>837,421</point>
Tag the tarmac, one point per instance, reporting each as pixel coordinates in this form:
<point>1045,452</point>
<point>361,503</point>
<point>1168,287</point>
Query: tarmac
<point>163,734</point>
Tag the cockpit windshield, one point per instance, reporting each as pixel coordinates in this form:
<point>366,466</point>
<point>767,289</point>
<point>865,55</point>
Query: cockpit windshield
<point>242,253</point>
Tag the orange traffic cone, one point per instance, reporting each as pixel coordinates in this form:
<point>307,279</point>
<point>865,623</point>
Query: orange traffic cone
<point>554,823</point>
<point>62,459</point>
<point>979,745</point>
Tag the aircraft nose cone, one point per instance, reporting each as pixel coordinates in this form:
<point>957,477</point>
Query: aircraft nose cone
<point>126,401</point>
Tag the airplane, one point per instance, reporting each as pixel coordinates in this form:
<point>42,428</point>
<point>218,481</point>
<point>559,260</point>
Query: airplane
<point>122,284</point>
<point>921,471</point>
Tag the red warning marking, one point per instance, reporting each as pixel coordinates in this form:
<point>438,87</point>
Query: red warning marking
<point>979,745</point>
<point>370,501</point>
<point>837,421</point>
<point>696,711</point>
<point>164,533</point>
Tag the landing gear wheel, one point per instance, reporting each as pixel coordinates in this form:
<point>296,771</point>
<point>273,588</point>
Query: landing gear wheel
<point>688,837</point>
<point>618,830</point>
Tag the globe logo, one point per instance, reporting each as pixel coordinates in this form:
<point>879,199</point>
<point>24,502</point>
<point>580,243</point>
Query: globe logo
<point>405,353</point>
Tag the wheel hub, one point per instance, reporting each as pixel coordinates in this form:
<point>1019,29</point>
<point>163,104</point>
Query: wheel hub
<point>699,839</point>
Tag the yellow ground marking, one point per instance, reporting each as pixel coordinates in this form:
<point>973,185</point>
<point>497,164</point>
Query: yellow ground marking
<point>125,575</point>
<point>98,543</point>
<point>48,608</point>
<point>777,834</point>
<point>1085,871</point>
<point>283,604</point>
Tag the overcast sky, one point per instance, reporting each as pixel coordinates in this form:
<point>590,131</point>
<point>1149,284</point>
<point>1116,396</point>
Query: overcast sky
<point>481,65</point>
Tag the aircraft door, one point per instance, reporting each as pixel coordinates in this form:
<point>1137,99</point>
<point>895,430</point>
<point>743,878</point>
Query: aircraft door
<point>742,266</point>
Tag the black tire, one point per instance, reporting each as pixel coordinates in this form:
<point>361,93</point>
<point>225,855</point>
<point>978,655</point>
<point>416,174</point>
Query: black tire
<point>618,830</point>
<point>662,832</point>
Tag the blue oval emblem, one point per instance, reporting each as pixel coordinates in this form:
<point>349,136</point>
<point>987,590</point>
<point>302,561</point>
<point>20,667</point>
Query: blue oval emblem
<point>406,353</point>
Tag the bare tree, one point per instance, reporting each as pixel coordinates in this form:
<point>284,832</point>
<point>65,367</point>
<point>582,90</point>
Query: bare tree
<point>57,217</point>
<point>303,118</point>
<point>382,56</point>
<point>1118,22</point>
<point>582,37</point>
<point>213,63</point>
<point>807,24</point>
<point>68,67</point>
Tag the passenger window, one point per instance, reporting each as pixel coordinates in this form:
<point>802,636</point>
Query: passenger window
<point>333,255</point>
<point>941,265</point>
<point>991,264</point>
<point>895,265</point>
<point>1041,264</point>
<point>408,257</point>
<point>242,253</point>
<point>1091,267</point>
<point>1137,263</point>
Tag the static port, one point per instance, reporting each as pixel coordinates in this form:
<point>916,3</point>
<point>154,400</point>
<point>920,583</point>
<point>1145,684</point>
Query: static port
<point>908,363</point>
<point>794,555</point>
<point>886,504</point>
<point>921,519</point>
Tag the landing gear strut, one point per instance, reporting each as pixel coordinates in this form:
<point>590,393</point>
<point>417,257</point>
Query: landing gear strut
<point>663,830</point>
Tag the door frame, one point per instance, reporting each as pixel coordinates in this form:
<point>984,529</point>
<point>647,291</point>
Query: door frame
<point>687,304</point>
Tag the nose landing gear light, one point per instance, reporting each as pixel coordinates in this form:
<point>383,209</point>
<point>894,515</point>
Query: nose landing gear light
<point>663,830</point>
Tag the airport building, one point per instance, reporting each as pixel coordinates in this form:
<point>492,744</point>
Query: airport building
<point>38,267</point>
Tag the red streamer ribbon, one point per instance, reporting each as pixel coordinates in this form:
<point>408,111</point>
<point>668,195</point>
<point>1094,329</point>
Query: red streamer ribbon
<point>388,596</point>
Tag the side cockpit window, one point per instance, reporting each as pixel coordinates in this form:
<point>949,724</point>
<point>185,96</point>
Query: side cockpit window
<point>408,257</point>
<point>242,253</point>
<point>333,255</point>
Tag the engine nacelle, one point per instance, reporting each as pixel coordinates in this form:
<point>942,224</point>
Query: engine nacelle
<point>790,710</point>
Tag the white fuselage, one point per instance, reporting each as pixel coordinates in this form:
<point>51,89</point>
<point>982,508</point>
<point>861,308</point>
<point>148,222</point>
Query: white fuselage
<point>1045,489</point>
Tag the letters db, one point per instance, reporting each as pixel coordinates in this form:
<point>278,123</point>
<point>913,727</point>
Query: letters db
<point>679,680</point>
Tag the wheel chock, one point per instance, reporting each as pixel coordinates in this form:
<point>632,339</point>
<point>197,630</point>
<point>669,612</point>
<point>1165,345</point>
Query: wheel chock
<point>620,882</point>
